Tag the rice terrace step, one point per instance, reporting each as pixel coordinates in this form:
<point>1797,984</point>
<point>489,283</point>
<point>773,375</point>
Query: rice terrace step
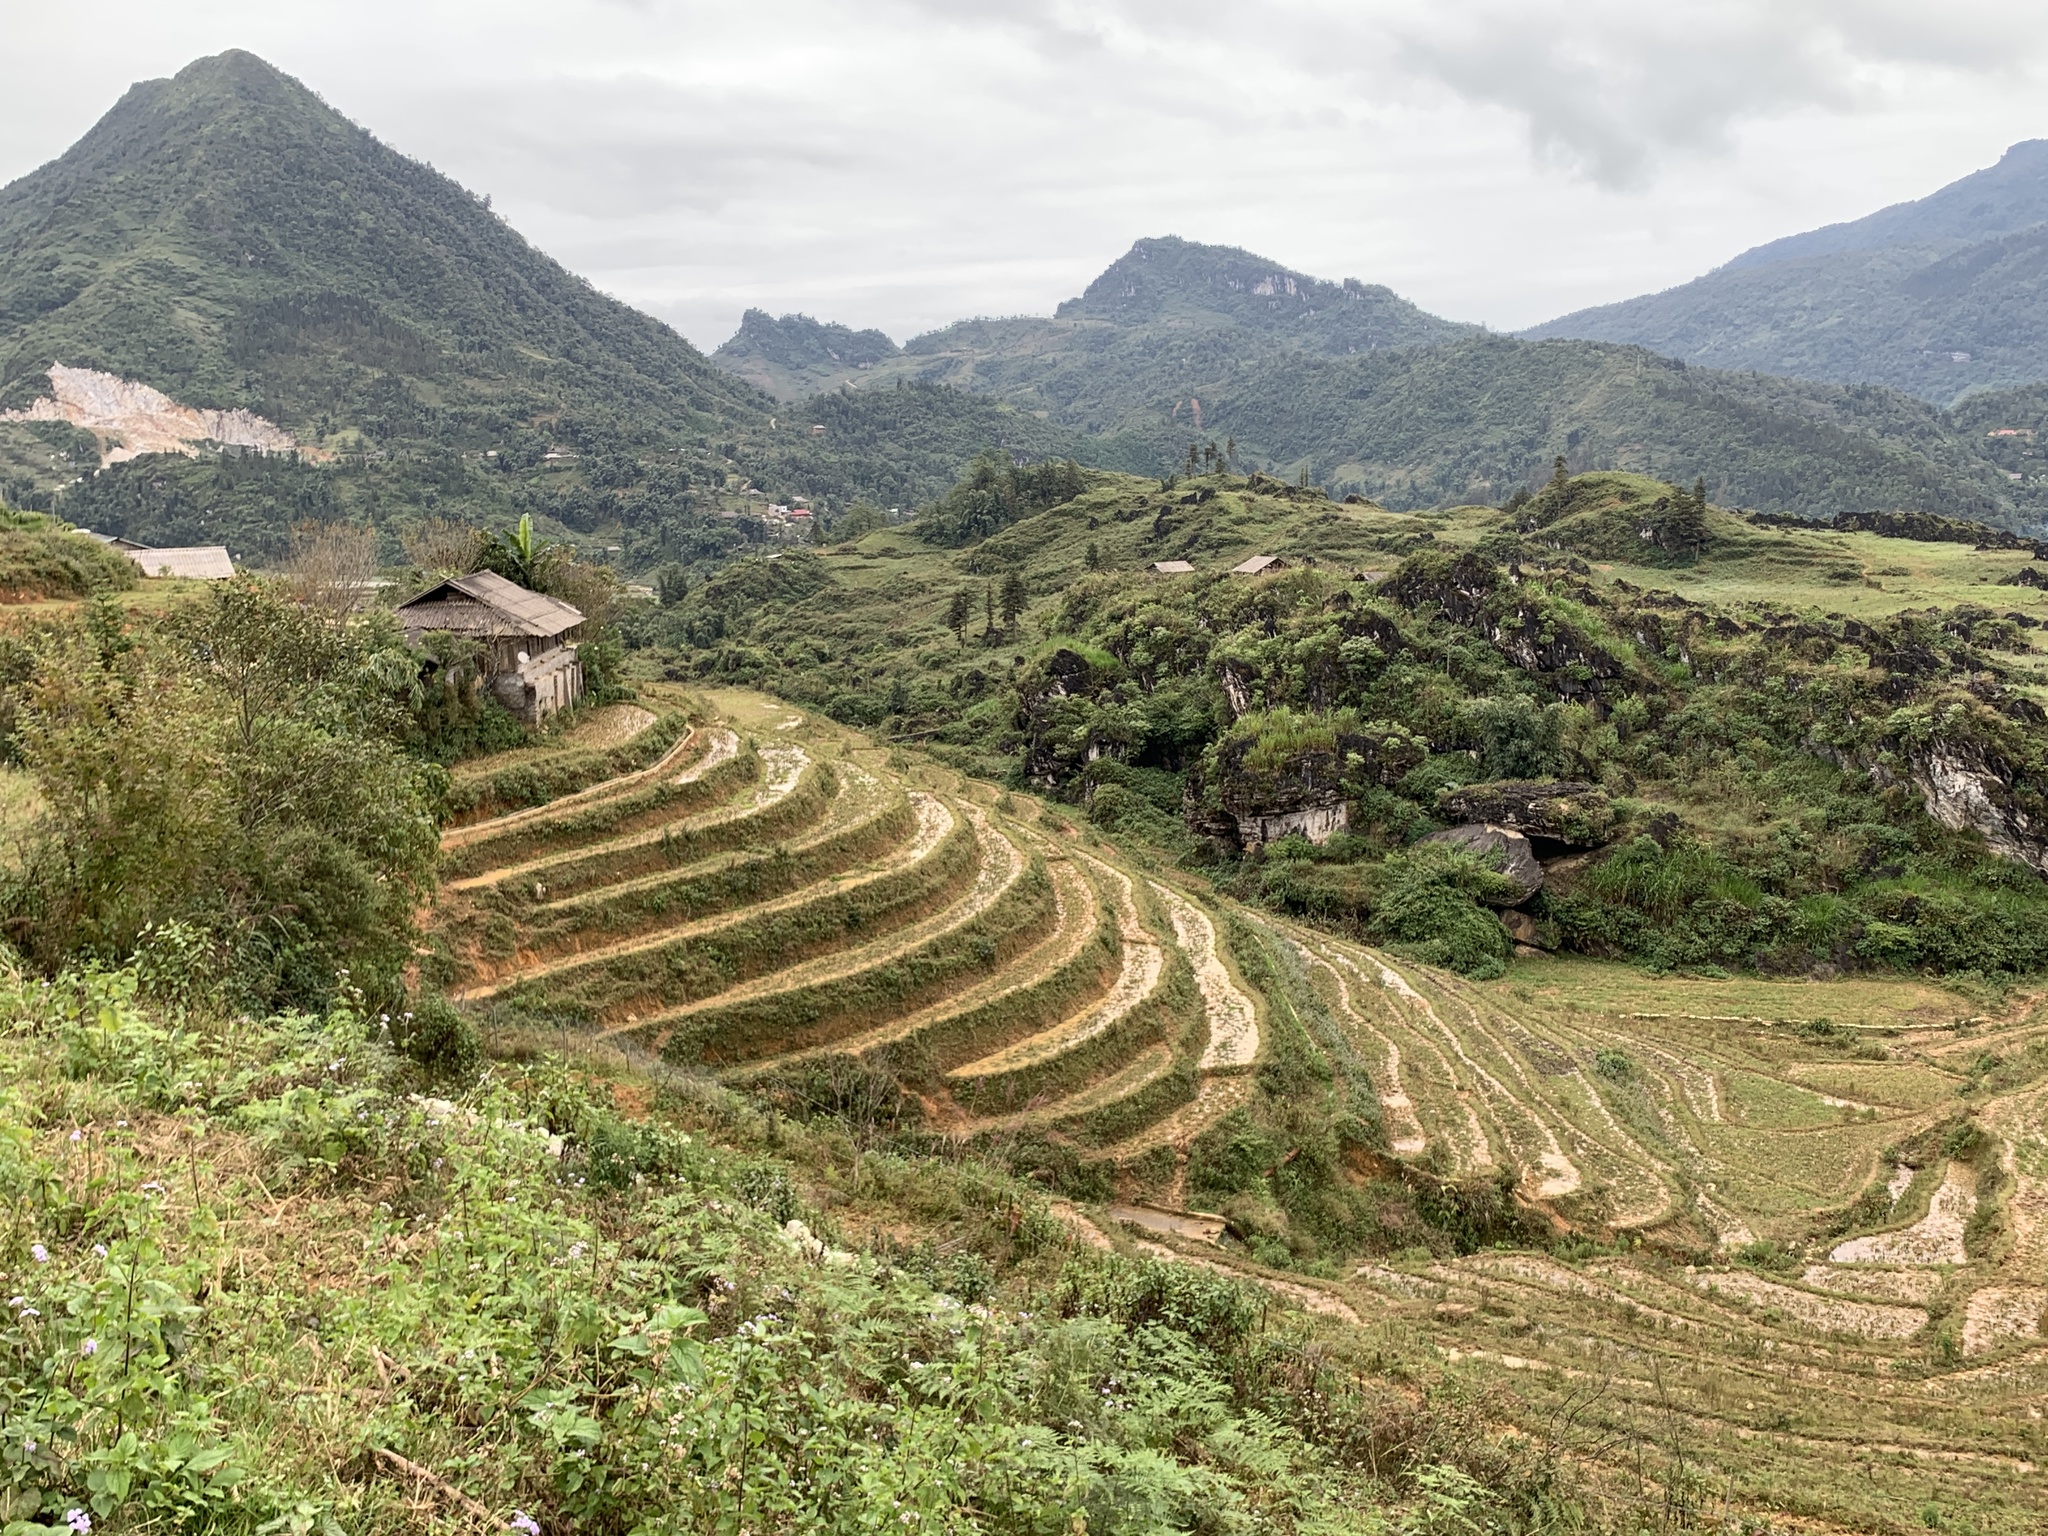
<point>784,905</point>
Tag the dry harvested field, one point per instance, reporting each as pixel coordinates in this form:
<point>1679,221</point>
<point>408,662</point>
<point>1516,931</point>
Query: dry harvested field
<point>1797,1251</point>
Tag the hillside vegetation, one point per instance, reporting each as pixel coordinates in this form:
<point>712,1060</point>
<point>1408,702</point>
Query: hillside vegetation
<point>1662,1197</point>
<point>1789,787</point>
<point>783,1130</point>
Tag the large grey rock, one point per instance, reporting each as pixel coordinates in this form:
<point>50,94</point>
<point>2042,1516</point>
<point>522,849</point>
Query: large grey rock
<point>1577,814</point>
<point>1965,791</point>
<point>1503,848</point>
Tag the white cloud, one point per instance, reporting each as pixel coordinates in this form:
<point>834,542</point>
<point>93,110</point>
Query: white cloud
<point>906,162</point>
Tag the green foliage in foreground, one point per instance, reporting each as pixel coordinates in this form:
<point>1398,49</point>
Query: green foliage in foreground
<point>40,557</point>
<point>534,1313</point>
<point>238,767</point>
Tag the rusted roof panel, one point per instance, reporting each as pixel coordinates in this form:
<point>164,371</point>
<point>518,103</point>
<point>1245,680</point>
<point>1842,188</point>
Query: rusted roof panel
<point>485,603</point>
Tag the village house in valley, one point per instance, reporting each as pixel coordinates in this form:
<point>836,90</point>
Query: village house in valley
<point>195,562</point>
<point>530,660</point>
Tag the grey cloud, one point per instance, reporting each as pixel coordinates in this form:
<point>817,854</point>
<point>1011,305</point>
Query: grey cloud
<point>904,162</point>
<point>1609,88</point>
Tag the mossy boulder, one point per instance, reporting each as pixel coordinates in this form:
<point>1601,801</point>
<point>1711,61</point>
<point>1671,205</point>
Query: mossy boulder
<point>1500,848</point>
<point>1559,811</point>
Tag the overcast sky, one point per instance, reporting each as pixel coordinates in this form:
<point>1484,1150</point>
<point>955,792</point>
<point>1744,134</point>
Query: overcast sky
<point>903,163</point>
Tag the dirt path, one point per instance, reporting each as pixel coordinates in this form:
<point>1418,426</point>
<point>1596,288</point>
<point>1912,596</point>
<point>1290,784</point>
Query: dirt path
<point>934,823</point>
<point>1137,978</point>
<point>2000,1314</point>
<point>1233,1022</point>
<point>1405,1134</point>
<point>608,726</point>
<point>1002,866</point>
<point>782,770</point>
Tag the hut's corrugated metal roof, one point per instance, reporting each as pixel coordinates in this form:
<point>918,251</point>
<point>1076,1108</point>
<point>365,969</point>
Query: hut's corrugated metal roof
<point>485,603</point>
<point>202,562</point>
<point>1172,567</point>
<point>1258,563</point>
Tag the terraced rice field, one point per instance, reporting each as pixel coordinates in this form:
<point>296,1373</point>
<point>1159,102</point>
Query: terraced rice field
<point>1799,1229</point>
<point>774,901</point>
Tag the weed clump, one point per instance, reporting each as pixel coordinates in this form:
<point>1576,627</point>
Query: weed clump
<point>441,1042</point>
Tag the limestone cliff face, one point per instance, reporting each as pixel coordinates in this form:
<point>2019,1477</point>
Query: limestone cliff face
<point>1248,793</point>
<point>1967,789</point>
<point>132,419</point>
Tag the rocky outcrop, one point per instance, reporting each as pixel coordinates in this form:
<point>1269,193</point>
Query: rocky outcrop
<point>131,419</point>
<point>1966,791</point>
<point>1578,815</point>
<point>1316,823</point>
<point>1253,789</point>
<point>1501,848</point>
<point>1520,622</point>
<point>1063,704</point>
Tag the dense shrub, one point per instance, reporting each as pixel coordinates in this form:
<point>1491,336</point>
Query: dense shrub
<point>441,1041</point>
<point>237,767</point>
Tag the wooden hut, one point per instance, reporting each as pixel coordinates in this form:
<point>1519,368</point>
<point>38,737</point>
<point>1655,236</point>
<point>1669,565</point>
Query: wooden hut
<point>529,653</point>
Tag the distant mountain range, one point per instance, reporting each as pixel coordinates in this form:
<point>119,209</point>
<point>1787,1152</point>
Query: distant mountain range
<point>1362,391</point>
<point>1936,297</point>
<point>227,240</point>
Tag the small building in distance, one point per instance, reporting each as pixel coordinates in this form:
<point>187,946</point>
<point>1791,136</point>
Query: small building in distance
<point>1173,567</point>
<point>529,655</point>
<point>1258,565</point>
<point>194,562</point>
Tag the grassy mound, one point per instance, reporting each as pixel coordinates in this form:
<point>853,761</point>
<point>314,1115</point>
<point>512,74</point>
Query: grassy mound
<point>41,557</point>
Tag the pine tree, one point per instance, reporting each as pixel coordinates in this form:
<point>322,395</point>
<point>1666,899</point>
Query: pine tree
<point>1094,556</point>
<point>988,604</point>
<point>1014,599</point>
<point>957,614</point>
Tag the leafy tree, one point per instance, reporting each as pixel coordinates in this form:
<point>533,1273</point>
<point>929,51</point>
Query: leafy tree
<point>995,493</point>
<point>519,554</point>
<point>672,584</point>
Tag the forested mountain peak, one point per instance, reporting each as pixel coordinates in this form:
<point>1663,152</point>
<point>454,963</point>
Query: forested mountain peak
<point>1940,296</point>
<point>2001,199</point>
<point>795,355</point>
<point>1168,280</point>
<point>226,236</point>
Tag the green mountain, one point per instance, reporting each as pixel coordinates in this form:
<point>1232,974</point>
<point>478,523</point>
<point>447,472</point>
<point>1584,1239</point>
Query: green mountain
<point>1361,392</point>
<point>1178,283</point>
<point>226,238</point>
<point>1937,297</point>
<point>230,239</point>
<point>796,356</point>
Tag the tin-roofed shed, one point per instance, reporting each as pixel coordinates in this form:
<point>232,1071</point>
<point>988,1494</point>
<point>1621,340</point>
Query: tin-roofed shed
<point>530,658</point>
<point>195,562</point>
<point>1258,565</point>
